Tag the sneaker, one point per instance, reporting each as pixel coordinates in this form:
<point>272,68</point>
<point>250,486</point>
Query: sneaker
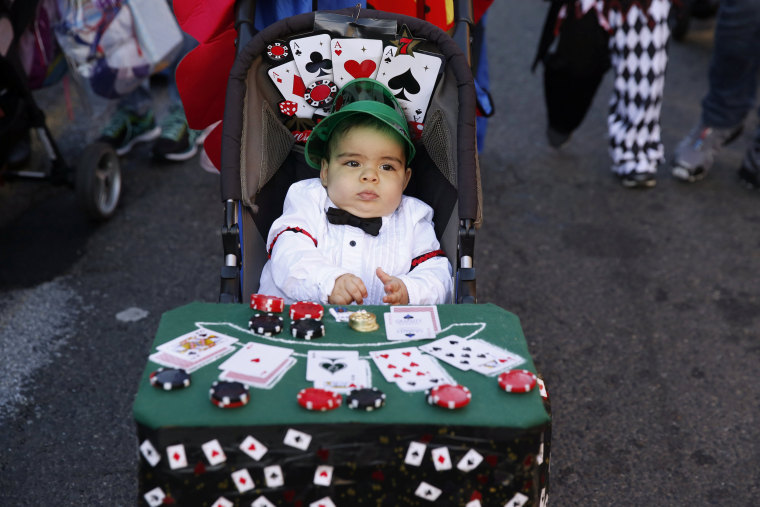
<point>695,154</point>
<point>178,142</point>
<point>749,172</point>
<point>125,129</point>
<point>637,179</point>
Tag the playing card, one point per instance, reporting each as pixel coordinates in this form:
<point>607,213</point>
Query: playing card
<point>363,379</point>
<point>488,359</point>
<point>312,57</point>
<point>517,501</point>
<point>214,452</point>
<point>297,439</point>
<point>540,454</point>
<point>427,375</point>
<point>323,502</point>
<point>441,458</point>
<point>266,382</point>
<point>330,364</point>
<point>291,86</point>
<point>432,310</point>
<point>453,350</point>
<point>392,362</point>
<point>155,497</point>
<point>253,448</point>
<point>222,502</point>
<point>149,453</point>
<point>256,359</point>
<point>196,344</point>
<point>273,476</point>
<point>323,475</point>
<point>415,453</point>
<point>473,503</point>
<point>262,501</point>
<point>408,326</point>
<point>411,78</point>
<point>177,456</point>
<point>427,491</point>
<point>242,480</point>
<point>470,461</point>
<point>355,58</point>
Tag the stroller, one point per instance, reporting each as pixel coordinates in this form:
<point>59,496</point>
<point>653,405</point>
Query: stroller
<point>97,176</point>
<point>260,158</point>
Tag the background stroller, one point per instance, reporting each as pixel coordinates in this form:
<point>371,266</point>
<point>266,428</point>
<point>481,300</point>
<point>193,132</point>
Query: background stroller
<point>260,158</point>
<point>97,175</point>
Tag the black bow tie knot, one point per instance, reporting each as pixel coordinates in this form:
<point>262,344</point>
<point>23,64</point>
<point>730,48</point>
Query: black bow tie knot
<point>342,217</point>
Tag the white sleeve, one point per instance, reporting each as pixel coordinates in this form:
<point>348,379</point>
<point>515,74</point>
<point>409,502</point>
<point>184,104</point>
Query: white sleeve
<point>299,270</point>
<point>429,280</point>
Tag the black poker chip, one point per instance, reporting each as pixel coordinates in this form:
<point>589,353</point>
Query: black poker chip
<point>170,379</point>
<point>320,93</point>
<point>266,324</point>
<point>226,394</point>
<point>277,51</point>
<point>367,399</point>
<point>308,329</point>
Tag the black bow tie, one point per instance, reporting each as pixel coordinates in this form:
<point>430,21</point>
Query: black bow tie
<point>342,217</point>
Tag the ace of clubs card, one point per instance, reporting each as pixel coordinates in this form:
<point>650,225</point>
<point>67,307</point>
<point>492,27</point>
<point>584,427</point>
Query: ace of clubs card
<point>313,57</point>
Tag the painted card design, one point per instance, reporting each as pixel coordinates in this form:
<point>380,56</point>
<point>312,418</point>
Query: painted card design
<point>273,476</point>
<point>441,458</point>
<point>253,448</point>
<point>176,455</point>
<point>297,439</point>
<point>214,452</point>
<point>292,88</point>
<point>411,78</point>
<point>149,453</point>
<point>415,453</point>
<point>323,475</point>
<point>242,480</point>
<point>470,461</point>
<point>262,501</point>
<point>355,58</point>
<point>427,491</point>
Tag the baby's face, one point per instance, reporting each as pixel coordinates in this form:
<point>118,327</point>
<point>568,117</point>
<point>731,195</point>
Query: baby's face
<point>366,173</point>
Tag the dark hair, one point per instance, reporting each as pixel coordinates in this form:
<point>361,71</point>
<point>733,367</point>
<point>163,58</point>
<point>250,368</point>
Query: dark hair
<point>361,120</point>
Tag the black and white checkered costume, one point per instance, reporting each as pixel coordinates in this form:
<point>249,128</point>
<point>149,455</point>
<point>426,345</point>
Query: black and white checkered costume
<point>639,35</point>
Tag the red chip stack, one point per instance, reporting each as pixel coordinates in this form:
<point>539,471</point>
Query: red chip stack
<point>306,310</point>
<point>264,303</point>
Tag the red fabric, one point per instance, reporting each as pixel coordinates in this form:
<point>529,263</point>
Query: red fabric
<point>203,97</point>
<point>204,19</point>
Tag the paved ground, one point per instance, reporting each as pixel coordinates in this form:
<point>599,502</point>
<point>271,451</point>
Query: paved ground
<point>640,307</point>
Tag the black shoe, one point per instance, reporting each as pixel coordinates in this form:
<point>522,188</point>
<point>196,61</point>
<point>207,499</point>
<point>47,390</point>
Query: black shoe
<point>749,172</point>
<point>556,138</point>
<point>637,180</point>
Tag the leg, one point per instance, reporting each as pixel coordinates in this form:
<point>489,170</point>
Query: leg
<point>638,50</point>
<point>733,81</point>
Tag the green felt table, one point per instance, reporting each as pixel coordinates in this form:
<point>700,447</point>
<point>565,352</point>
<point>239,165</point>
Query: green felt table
<point>190,407</point>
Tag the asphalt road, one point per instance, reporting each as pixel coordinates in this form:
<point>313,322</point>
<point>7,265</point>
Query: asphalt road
<point>641,308</point>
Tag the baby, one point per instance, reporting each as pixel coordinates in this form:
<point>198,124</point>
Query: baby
<point>350,236</point>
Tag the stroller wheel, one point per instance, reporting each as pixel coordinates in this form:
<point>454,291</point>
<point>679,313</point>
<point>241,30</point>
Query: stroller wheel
<point>98,181</point>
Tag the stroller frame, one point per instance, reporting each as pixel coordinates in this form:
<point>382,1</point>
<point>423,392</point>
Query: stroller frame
<point>239,191</point>
<point>97,176</point>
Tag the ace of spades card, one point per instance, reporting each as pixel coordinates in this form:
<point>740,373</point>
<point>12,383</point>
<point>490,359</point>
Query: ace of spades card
<point>313,58</point>
<point>411,78</point>
<point>355,58</point>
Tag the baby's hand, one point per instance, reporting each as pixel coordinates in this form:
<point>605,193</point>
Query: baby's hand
<point>348,288</point>
<point>395,289</point>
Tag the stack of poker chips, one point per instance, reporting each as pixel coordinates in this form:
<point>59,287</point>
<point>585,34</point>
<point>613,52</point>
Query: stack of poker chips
<point>264,303</point>
<point>265,322</point>
<point>363,321</point>
<point>306,320</point>
<point>226,394</point>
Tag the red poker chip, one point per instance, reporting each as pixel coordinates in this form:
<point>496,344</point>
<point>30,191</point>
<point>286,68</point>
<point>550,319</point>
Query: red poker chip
<point>517,381</point>
<point>313,398</point>
<point>306,310</point>
<point>320,93</point>
<point>272,304</point>
<point>451,396</point>
<point>277,51</point>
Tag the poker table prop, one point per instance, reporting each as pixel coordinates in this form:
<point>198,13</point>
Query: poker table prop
<point>367,450</point>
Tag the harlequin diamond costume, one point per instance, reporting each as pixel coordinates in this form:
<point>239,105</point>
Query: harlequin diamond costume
<point>630,36</point>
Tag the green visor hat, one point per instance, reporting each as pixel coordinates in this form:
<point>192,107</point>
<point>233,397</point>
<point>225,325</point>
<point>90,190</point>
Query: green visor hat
<point>360,96</point>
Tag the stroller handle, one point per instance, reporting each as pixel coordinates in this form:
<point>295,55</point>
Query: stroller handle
<point>245,17</point>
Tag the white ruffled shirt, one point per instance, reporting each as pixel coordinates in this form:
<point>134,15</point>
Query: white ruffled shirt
<point>308,253</point>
